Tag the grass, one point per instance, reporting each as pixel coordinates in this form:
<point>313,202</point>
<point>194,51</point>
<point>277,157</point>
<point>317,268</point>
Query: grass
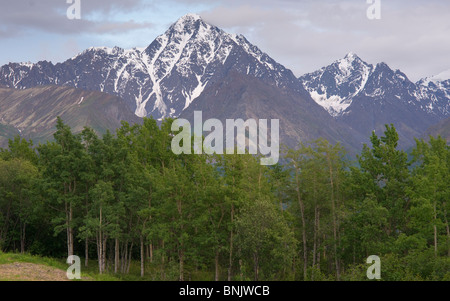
<point>59,264</point>
<point>26,267</point>
<point>6,258</point>
<point>90,273</point>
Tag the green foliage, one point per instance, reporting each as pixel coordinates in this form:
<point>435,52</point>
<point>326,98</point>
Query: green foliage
<point>385,171</point>
<point>135,210</point>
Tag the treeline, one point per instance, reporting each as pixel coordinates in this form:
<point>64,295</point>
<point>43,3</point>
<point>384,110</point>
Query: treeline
<point>127,198</point>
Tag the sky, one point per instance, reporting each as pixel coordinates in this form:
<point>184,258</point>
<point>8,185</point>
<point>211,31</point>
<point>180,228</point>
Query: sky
<point>303,35</point>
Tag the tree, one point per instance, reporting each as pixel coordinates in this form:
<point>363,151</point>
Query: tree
<point>386,170</point>
<point>318,172</point>
<point>429,192</point>
<point>17,200</point>
<point>62,163</point>
<point>264,238</point>
<point>103,219</point>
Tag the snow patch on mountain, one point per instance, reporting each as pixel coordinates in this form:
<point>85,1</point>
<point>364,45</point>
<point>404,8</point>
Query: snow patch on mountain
<point>443,76</point>
<point>334,104</point>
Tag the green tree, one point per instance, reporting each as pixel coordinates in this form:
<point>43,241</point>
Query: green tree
<point>430,192</point>
<point>63,163</point>
<point>386,175</point>
<point>17,200</point>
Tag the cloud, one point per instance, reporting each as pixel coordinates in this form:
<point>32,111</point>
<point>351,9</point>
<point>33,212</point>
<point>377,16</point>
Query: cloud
<point>411,35</point>
<point>50,16</point>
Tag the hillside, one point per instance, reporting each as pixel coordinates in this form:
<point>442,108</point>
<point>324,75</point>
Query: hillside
<point>32,112</point>
<point>240,96</point>
<point>442,129</point>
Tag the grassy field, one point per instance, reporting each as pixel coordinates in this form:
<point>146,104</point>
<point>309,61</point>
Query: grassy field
<point>26,267</point>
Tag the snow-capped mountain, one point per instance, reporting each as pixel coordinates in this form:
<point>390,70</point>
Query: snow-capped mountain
<point>434,93</point>
<point>193,65</point>
<point>197,66</point>
<point>334,87</point>
<point>367,96</point>
<point>162,79</point>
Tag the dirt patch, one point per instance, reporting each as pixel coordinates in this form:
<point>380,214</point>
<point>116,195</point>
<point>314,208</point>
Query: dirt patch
<point>24,271</point>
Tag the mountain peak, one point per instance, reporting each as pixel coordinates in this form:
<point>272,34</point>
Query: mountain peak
<point>333,87</point>
<point>382,66</point>
<point>188,19</point>
<point>351,56</point>
<point>188,24</point>
<point>190,16</point>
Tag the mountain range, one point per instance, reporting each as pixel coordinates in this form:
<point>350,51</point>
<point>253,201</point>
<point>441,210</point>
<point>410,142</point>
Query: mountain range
<point>197,66</point>
<point>366,96</point>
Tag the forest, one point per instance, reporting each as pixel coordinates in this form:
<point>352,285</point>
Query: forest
<point>126,199</point>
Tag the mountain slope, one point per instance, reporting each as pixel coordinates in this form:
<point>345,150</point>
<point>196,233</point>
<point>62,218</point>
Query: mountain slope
<point>442,129</point>
<point>32,112</point>
<point>241,96</point>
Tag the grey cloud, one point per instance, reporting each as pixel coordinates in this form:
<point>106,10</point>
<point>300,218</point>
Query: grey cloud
<point>122,27</point>
<point>17,17</point>
<point>412,36</point>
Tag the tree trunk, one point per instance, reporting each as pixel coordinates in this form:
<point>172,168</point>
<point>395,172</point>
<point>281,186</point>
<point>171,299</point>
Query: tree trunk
<point>163,261</point>
<point>22,237</point>
<point>181,255</point>
<point>333,212</point>
<point>129,258</point>
<point>86,242</point>
<point>123,264</point>
<point>230,264</point>
<point>241,273</point>
<point>448,230</point>
<point>216,260</point>
<point>256,266</point>
<point>435,229</point>
<point>315,238</point>
<point>69,214</point>
<point>99,253</point>
<point>302,212</point>
<point>104,253</point>
<point>316,210</point>
<point>116,256</point>
<point>142,256</point>
<point>100,244</point>
<point>318,239</point>
<point>86,252</point>
<point>151,252</point>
